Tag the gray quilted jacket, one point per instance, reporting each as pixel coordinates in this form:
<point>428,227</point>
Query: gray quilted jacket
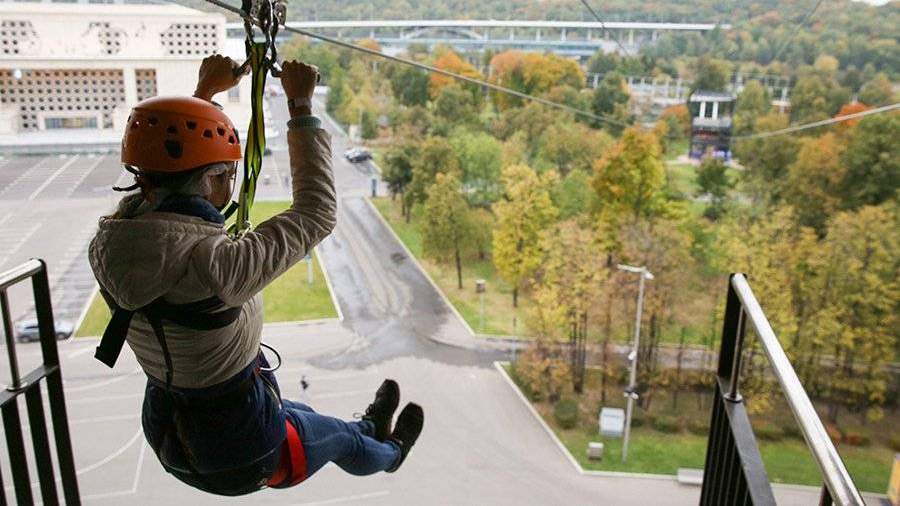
<point>184,259</point>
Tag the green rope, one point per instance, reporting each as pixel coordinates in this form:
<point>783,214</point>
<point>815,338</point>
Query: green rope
<point>255,143</point>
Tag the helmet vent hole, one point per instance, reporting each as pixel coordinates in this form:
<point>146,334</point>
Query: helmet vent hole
<point>190,125</point>
<point>207,133</point>
<point>230,139</point>
<point>172,130</point>
<point>153,121</point>
<point>173,149</point>
<point>221,131</point>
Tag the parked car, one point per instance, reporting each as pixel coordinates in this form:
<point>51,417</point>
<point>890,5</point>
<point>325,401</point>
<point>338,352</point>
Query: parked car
<point>27,330</point>
<point>356,155</point>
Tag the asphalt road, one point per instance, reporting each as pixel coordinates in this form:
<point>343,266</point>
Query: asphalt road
<point>480,444</point>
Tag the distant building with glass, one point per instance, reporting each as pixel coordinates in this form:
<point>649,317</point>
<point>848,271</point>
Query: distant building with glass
<point>79,65</point>
<point>711,124</point>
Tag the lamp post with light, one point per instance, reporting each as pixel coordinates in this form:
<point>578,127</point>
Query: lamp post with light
<point>630,392</point>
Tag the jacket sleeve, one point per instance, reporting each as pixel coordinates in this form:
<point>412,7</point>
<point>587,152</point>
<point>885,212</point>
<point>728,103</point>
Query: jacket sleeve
<point>237,269</point>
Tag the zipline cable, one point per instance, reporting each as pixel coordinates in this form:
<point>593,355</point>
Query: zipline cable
<point>805,126</point>
<point>795,31</point>
<point>435,70</point>
<point>603,26</point>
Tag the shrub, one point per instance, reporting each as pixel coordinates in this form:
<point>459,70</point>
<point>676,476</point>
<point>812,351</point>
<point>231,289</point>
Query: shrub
<point>856,438</point>
<point>637,421</point>
<point>700,428</point>
<point>895,443</point>
<point>667,424</point>
<point>565,412</point>
<point>834,433</point>
<point>768,432</point>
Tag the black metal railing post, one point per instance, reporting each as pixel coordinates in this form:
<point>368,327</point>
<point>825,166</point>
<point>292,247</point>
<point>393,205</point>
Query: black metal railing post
<point>734,471</point>
<point>30,387</point>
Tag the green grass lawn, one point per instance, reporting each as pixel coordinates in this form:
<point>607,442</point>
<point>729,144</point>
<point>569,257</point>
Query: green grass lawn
<point>787,460</point>
<point>499,311</point>
<point>288,298</point>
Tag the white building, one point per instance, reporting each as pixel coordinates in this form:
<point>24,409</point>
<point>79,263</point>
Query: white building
<point>82,66</point>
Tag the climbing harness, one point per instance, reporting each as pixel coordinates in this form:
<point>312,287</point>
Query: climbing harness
<point>265,16</point>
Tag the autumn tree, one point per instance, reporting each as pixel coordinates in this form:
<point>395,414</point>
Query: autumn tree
<point>678,118</point>
<point>451,62</point>
<point>710,74</point>
<point>532,73</point>
<point>409,85</point>
<point>524,212</point>
<point>447,230</point>
<point>630,176</point>
<point>857,320</point>
<point>814,180</point>
<point>570,278</point>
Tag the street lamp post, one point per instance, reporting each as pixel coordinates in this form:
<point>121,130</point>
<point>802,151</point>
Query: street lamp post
<point>630,393</point>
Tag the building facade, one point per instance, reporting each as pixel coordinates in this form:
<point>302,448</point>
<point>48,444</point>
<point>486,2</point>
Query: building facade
<point>83,66</point>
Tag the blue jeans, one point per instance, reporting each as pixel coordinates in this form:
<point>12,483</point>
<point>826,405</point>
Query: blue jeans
<point>350,445</point>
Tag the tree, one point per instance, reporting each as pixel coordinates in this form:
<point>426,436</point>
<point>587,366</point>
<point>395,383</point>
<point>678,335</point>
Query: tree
<point>532,73</point>
<point>630,176</point>
<point>857,318</point>
<point>678,118</point>
<point>454,106</point>
<point>451,62</point>
<point>368,125</point>
<point>877,92</point>
<point>610,96</point>
<point>480,158</point>
<point>573,195</point>
<point>569,146</point>
<point>397,164</point>
<point>751,103</point>
<point>570,278</point>
<point>409,85</point>
<point>814,179</point>
<point>526,210</point>
<point>713,180</point>
<point>816,96</point>
<point>447,225</point>
<point>435,157</point>
<point>766,160</point>
<point>338,92</point>
<point>710,74</point>
<point>872,159</point>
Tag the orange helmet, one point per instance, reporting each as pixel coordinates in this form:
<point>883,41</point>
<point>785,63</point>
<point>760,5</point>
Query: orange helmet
<point>177,134</point>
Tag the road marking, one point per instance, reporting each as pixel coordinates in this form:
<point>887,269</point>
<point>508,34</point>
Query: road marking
<point>100,463</point>
<point>80,352</point>
<point>101,384</point>
<point>348,498</point>
<point>85,175</point>
<point>53,176</point>
<point>22,176</point>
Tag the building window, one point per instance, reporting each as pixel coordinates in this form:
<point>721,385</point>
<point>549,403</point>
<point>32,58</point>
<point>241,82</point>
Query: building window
<point>190,39</point>
<point>71,122</point>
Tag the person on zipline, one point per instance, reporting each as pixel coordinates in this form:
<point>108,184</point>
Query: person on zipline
<point>186,297</point>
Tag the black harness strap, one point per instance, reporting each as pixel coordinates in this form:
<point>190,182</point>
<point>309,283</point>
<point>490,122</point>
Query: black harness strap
<point>206,314</point>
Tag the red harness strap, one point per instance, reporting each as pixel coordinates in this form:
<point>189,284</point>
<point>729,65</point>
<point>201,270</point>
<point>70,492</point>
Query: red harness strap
<point>292,467</point>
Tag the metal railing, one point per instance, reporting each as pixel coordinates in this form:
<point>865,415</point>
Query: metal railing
<point>734,472</point>
<point>30,386</point>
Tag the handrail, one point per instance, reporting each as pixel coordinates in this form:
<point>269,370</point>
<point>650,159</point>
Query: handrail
<point>837,479</point>
<point>19,273</point>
